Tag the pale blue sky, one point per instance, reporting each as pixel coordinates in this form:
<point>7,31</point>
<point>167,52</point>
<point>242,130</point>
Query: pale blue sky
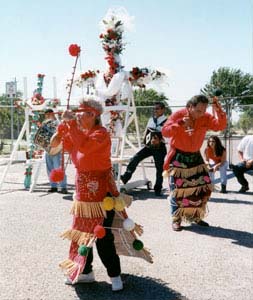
<point>189,38</point>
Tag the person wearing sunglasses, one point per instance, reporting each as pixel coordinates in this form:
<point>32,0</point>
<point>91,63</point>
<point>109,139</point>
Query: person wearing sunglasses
<point>216,159</point>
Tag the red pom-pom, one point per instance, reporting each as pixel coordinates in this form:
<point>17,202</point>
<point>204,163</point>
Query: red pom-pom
<point>57,175</point>
<point>99,231</point>
<point>74,49</point>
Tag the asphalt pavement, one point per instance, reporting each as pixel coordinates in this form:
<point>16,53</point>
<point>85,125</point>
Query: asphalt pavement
<point>214,263</point>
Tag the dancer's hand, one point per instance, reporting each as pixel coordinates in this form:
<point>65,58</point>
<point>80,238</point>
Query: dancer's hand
<point>249,163</point>
<point>188,122</point>
<point>68,115</point>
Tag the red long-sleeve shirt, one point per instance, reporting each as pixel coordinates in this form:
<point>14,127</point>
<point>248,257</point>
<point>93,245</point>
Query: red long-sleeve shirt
<point>90,150</point>
<point>210,154</point>
<point>180,139</point>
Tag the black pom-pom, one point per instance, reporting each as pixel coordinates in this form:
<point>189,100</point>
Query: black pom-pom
<point>217,92</point>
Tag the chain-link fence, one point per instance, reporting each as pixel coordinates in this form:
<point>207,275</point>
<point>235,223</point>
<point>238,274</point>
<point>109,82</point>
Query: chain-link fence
<point>12,119</point>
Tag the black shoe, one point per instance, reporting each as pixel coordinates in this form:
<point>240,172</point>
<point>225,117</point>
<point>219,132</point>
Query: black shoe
<point>176,226</point>
<point>123,179</point>
<point>202,223</point>
<point>158,193</point>
<point>63,191</point>
<point>223,189</point>
<point>231,167</point>
<point>243,189</point>
<point>52,190</point>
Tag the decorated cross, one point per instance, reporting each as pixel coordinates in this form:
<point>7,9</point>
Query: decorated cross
<point>108,85</point>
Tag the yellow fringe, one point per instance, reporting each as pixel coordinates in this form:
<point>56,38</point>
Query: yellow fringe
<point>138,229</point>
<point>148,255</point>
<point>81,238</point>
<point>127,199</point>
<point>185,173</point>
<point>87,209</point>
<point>189,214</point>
<point>72,269</point>
<point>66,264</point>
<point>185,192</point>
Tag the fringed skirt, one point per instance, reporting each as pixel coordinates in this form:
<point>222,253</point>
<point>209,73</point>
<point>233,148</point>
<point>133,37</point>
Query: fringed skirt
<point>192,186</point>
<point>88,211</point>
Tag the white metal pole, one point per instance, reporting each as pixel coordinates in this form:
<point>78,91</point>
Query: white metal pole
<point>54,87</point>
<point>26,111</point>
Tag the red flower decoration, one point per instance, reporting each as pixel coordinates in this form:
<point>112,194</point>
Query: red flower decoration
<point>179,182</point>
<point>89,74</point>
<point>176,163</point>
<point>186,202</point>
<point>57,175</point>
<point>74,49</point>
<point>207,179</point>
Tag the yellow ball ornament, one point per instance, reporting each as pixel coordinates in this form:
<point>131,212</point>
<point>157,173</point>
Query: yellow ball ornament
<point>108,203</point>
<point>119,204</point>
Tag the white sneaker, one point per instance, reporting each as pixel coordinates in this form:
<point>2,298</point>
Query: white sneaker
<point>117,283</point>
<point>82,278</point>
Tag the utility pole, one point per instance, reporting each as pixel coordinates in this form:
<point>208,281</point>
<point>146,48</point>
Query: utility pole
<point>11,92</point>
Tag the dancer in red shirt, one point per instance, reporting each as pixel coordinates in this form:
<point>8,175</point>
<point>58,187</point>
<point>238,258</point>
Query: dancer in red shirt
<point>97,203</point>
<point>189,180</point>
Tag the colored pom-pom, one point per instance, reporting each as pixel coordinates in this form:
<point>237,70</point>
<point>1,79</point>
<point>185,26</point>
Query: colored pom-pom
<point>57,175</point>
<point>217,92</point>
<point>137,245</point>
<point>128,224</point>
<point>74,49</point>
<point>108,203</point>
<point>119,204</point>
<point>83,250</point>
<point>99,231</point>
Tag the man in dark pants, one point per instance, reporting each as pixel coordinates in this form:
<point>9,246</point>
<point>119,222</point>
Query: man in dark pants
<point>245,152</point>
<point>154,146</point>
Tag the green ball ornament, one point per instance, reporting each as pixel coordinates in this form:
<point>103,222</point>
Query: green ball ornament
<point>138,245</point>
<point>217,92</point>
<point>83,250</point>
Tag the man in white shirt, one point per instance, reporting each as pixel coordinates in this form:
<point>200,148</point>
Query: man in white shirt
<point>154,146</point>
<point>245,151</point>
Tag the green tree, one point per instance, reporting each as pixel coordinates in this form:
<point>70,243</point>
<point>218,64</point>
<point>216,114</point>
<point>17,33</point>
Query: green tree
<point>236,88</point>
<point>144,101</point>
<point>245,121</point>
<point>5,119</point>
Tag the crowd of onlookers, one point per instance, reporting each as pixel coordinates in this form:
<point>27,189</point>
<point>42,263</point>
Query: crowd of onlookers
<point>216,157</point>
